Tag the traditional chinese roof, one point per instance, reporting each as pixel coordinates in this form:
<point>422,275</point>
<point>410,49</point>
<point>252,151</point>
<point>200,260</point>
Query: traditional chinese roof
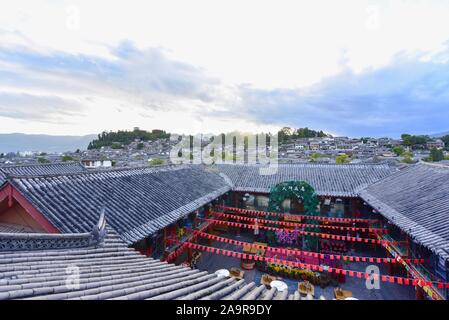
<point>14,228</point>
<point>138,201</point>
<point>40,169</point>
<point>110,270</point>
<point>416,199</point>
<point>327,179</point>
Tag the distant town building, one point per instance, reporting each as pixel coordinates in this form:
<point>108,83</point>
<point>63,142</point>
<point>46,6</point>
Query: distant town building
<point>96,163</point>
<point>438,143</point>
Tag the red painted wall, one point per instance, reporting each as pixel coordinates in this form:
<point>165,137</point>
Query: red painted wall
<point>14,207</point>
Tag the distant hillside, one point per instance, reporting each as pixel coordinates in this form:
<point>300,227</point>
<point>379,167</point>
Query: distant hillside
<point>439,135</point>
<point>119,138</point>
<point>287,133</point>
<point>15,142</point>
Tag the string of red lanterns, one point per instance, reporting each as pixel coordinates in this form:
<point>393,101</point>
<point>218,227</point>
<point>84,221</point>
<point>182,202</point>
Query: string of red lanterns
<point>300,225</point>
<point>306,253</point>
<point>305,233</point>
<point>313,267</point>
<point>277,214</point>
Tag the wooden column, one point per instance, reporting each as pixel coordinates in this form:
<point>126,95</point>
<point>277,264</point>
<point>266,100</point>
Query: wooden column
<point>165,240</point>
<point>419,293</point>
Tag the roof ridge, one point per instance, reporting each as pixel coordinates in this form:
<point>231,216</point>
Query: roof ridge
<point>39,164</point>
<point>386,165</point>
<point>90,172</point>
<point>434,164</point>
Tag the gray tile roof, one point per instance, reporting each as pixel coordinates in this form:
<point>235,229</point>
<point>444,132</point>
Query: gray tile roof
<point>40,169</point>
<point>416,199</point>
<point>138,201</point>
<point>327,179</point>
<point>14,228</point>
<point>114,271</point>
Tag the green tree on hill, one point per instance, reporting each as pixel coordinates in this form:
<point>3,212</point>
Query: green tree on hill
<point>342,159</point>
<point>314,156</point>
<point>288,133</point>
<point>435,155</point>
<point>407,157</point>
<point>411,140</point>
<point>42,160</point>
<point>446,141</point>
<point>398,150</point>
<point>67,158</point>
<point>156,162</point>
<point>110,139</point>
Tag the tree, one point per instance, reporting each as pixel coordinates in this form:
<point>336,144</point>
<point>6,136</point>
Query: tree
<point>284,134</point>
<point>67,158</point>
<point>436,155</point>
<point>156,162</point>
<point>42,160</point>
<point>446,141</point>
<point>398,150</point>
<point>342,159</point>
<point>116,145</point>
<point>107,139</point>
<point>407,157</point>
<point>365,139</point>
<point>288,133</point>
<point>314,157</point>
<point>140,146</point>
<point>411,140</point>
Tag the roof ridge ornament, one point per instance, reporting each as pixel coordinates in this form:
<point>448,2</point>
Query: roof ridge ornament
<point>99,230</point>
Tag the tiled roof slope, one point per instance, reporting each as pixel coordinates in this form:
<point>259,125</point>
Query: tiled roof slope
<point>40,169</point>
<point>327,179</point>
<point>114,271</point>
<point>137,201</point>
<point>14,228</point>
<point>416,199</point>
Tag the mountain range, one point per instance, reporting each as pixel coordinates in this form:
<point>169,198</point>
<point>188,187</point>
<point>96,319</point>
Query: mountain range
<point>15,142</point>
<point>439,135</point>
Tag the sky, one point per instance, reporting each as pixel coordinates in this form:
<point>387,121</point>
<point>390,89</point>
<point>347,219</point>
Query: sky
<point>354,68</point>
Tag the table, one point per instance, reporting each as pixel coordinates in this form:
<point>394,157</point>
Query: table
<point>222,273</point>
<point>279,285</point>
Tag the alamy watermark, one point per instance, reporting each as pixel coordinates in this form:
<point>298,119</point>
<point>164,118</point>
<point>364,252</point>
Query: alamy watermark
<point>73,19</point>
<point>72,282</point>
<point>261,149</point>
<point>373,281</point>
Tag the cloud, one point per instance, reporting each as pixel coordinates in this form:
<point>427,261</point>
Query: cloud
<point>132,85</point>
<point>409,95</point>
<point>144,75</point>
<point>38,108</point>
<point>147,87</point>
